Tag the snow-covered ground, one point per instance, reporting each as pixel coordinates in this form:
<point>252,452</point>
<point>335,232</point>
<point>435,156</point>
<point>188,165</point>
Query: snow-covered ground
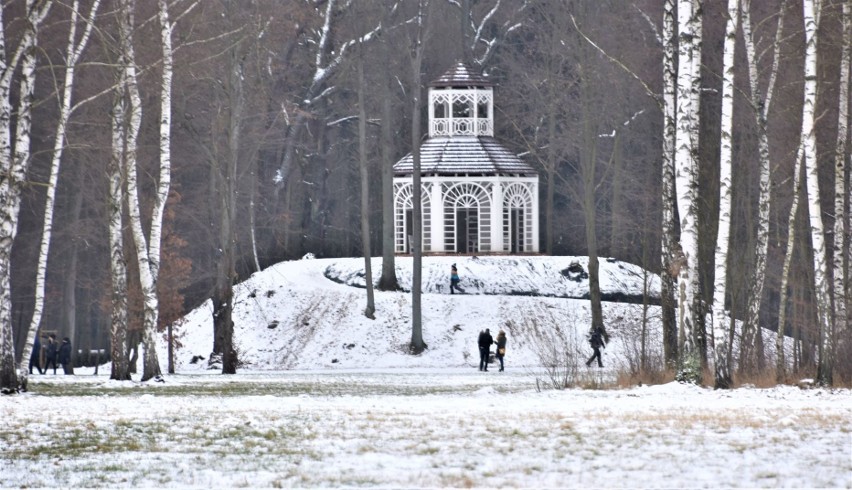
<point>328,397</point>
<point>417,427</point>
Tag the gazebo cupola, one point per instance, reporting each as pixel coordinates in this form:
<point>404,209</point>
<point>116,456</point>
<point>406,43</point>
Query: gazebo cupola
<point>477,196</point>
<point>461,110</point>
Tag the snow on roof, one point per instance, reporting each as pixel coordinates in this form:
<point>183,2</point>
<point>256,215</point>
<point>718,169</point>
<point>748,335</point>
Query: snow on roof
<point>461,75</point>
<point>464,155</point>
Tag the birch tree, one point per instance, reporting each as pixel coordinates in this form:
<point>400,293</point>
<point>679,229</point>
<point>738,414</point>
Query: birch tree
<point>761,104</point>
<point>73,51</point>
<point>811,11</point>
<point>841,181</point>
<point>720,314</point>
<point>118,271</point>
<point>147,252</point>
<point>669,271</point>
<point>14,164</point>
<point>686,188</point>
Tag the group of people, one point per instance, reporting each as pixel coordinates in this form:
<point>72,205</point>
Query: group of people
<point>597,335</point>
<point>485,341</point>
<point>55,354</point>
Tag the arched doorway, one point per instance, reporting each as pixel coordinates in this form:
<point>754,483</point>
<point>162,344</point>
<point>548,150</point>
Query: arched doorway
<point>467,218</point>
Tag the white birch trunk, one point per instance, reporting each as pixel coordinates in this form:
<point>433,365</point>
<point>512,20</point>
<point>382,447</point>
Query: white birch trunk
<point>841,184</point>
<point>685,182</point>
<point>73,51</point>
<point>14,168</point>
<point>147,279</point>
<point>817,232</point>
<point>118,269</point>
<point>720,341</point>
<point>668,274</point>
<point>760,106</point>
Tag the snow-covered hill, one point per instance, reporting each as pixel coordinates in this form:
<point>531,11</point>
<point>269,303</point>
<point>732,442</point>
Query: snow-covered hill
<point>308,314</point>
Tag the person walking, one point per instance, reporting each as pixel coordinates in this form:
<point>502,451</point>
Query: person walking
<point>35,356</point>
<point>51,350</point>
<point>485,341</point>
<point>65,356</point>
<point>597,342</point>
<point>454,280</point>
<point>501,347</point>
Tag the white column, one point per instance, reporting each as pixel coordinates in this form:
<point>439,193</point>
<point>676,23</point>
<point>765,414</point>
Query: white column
<point>437,217</point>
<point>431,111</point>
<point>497,244</point>
<point>534,217</point>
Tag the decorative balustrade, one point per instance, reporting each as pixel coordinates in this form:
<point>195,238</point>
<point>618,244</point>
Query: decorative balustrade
<point>461,126</point>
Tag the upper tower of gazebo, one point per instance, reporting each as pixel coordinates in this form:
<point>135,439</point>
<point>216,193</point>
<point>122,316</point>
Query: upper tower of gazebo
<point>461,103</point>
<point>476,195</point>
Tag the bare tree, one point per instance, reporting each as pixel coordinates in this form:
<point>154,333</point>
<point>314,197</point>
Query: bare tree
<point>14,163</point>
<point>73,51</point>
<point>720,313</point>
<point>761,104</point>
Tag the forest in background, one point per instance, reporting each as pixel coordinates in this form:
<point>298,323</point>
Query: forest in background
<point>264,140</point>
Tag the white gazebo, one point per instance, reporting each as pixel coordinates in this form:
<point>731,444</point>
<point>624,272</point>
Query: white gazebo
<point>477,196</point>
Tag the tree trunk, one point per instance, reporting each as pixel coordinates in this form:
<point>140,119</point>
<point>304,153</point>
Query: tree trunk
<point>14,168</point>
<point>72,54</point>
<point>417,343</point>
<point>228,214</point>
<point>817,232</point>
<point>668,271</point>
<point>841,183</point>
<point>118,270</point>
<point>686,186</point>
<point>147,263</point>
<point>388,281</point>
<point>720,356</point>
<point>780,363</point>
<point>365,191</point>
<point>760,106</point>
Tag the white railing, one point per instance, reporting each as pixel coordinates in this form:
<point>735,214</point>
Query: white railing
<point>461,126</point>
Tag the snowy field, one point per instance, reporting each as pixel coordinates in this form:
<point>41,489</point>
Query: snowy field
<point>417,428</point>
<point>328,398</point>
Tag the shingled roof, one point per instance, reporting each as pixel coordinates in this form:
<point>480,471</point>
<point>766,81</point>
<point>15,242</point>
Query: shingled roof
<point>464,155</point>
<point>461,75</point>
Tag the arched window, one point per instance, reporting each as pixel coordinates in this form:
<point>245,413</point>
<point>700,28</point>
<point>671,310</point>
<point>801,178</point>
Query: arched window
<point>404,219</point>
<point>517,218</point>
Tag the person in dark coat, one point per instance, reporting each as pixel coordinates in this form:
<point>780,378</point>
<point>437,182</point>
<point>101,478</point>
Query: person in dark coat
<point>597,341</point>
<point>35,356</point>
<point>454,280</point>
<point>485,341</point>
<point>501,347</point>
<point>65,356</point>
<point>51,350</point>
